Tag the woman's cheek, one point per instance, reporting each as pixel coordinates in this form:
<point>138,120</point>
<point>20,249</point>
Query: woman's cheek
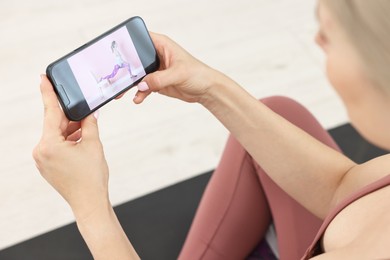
<point>334,77</point>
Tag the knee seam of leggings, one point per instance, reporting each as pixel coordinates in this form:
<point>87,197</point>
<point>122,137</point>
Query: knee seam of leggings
<point>208,244</point>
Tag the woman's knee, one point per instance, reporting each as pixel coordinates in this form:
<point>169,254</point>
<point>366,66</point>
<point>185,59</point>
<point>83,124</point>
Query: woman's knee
<point>300,116</point>
<point>286,107</point>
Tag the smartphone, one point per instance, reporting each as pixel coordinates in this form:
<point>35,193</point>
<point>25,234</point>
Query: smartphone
<point>102,69</point>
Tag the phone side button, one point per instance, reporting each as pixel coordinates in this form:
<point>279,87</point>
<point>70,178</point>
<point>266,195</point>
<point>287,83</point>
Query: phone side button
<point>63,95</point>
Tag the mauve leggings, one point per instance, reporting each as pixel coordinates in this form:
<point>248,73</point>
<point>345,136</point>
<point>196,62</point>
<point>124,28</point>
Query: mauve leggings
<point>240,202</point>
<point>116,69</point>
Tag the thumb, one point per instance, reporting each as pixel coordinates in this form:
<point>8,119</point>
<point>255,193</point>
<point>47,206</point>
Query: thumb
<point>153,82</point>
<point>157,81</point>
<point>89,127</point>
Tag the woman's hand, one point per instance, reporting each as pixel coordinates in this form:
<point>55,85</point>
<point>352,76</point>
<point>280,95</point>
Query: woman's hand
<point>180,75</point>
<point>70,157</point>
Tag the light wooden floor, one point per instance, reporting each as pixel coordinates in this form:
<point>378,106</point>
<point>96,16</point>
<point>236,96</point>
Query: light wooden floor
<point>267,46</point>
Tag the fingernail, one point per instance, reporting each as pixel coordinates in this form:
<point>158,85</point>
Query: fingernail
<point>143,86</point>
<point>96,114</point>
<point>42,76</point>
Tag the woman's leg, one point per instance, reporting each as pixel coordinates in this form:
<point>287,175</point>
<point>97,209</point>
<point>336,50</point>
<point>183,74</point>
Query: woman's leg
<point>128,67</point>
<point>296,227</point>
<point>113,73</point>
<point>234,214</point>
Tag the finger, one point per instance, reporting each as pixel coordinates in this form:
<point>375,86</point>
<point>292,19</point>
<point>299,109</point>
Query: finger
<point>89,128</point>
<point>75,136</point>
<point>162,43</point>
<point>158,80</point>
<point>120,96</point>
<point>140,96</point>
<point>53,115</point>
<point>159,41</point>
<point>72,128</point>
<point>49,98</point>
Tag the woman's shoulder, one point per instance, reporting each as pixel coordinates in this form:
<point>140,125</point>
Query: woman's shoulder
<point>363,175</point>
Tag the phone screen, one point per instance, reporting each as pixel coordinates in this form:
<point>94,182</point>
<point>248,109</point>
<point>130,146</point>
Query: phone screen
<point>107,67</point>
<point>97,72</point>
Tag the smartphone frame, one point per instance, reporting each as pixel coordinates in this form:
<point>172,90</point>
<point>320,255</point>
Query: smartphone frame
<point>63,80</point>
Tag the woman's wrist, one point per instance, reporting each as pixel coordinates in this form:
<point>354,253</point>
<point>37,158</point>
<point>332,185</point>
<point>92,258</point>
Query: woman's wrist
<point>101,214</point>
<point>83,212</point>
<point>215,83</point>
<point>221,89</point>
<point>104,235</point>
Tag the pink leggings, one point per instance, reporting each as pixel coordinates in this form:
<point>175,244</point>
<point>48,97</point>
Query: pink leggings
<point>241,201</point>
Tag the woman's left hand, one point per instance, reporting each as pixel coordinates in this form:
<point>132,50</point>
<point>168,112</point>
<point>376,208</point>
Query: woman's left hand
<point>70,157</point>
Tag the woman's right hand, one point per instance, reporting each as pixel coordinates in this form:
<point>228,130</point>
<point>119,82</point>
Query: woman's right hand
<point>180,74</point>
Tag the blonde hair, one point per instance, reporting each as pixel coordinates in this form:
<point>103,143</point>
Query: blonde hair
<point>367,24</point>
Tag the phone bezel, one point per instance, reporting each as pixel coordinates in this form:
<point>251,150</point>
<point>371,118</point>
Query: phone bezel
<point>77,115</point>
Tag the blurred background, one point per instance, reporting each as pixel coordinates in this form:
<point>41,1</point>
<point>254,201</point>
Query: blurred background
<point>266,46</point>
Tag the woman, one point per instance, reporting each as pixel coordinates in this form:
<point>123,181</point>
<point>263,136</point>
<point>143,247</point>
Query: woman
<point>120,63</point>
<point>324,206</point>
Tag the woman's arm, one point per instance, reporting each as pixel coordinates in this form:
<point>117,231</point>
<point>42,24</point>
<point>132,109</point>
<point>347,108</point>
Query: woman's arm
<point>314,174</point>
<point>307,169</point>
<point>104,235</point>
<point>70,157</point>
